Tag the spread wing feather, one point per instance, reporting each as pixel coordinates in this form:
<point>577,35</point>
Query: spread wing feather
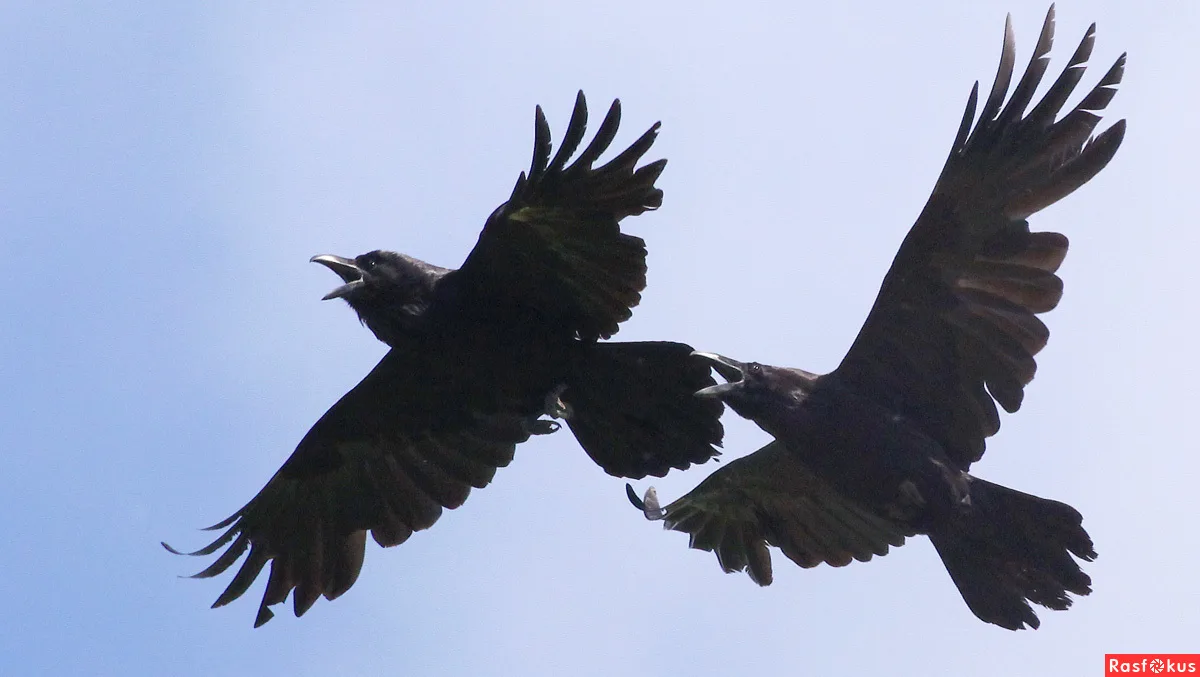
<point>386,459</point>
<point>556,244</point>
<point>954,329</point>
<point>770,498</point>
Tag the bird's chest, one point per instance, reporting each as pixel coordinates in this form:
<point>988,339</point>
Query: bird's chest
<point>503,356</point>
<point>879,458</point>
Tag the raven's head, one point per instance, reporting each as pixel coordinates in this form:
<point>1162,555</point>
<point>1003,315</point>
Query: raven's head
<point>760,392</point>
<point>386,289</point>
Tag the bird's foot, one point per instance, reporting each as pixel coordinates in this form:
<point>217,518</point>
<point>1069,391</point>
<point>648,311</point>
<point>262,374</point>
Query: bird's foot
<point>910,493</point>
<point>555,407</point>
<point>542,426</point>
<point>960,486</point>
<point>648,505</point>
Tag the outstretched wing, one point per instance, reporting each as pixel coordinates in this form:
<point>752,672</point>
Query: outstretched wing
<point>955,324</point>
<point>386,459</point>
<point>555,245</point>
<point>770,498</point>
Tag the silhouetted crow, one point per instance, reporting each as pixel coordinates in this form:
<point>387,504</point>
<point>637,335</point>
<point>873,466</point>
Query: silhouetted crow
<point>880,448</point>
<point>477,355</point>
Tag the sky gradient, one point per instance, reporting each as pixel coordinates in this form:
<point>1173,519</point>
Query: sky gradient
<point>169,169</point>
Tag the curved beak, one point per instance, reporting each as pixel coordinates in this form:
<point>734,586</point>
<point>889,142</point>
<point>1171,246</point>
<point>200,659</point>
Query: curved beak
<point>346,269</point>
<point>730,369</point>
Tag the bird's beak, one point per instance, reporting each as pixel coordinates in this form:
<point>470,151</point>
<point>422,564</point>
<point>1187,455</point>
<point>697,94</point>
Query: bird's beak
<point>731,370</point>
<point>346,269</point>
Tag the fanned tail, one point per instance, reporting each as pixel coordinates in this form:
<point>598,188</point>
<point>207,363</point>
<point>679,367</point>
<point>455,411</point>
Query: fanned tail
<point>1013,549</point>
<point>633,409</point>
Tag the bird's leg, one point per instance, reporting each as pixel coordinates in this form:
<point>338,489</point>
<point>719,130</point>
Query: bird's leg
<point>910,493</point>
<point>960,486</point>
<point>554,406</point>
<point>907,504</point>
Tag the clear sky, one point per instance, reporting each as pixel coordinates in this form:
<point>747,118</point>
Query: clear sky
<point>169,168</point>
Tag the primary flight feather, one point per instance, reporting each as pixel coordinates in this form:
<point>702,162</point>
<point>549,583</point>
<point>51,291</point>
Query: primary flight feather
<point>478,355</point>
<point>880,448</point>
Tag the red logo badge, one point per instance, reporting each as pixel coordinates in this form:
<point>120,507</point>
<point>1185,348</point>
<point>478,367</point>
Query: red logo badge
<point>1116,664</point>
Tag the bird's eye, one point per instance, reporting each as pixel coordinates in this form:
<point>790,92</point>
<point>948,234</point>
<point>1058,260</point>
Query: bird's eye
<point>756,370</point>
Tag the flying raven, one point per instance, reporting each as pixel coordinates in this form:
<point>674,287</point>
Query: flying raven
<point>879,448</point>
<point>477,356</point>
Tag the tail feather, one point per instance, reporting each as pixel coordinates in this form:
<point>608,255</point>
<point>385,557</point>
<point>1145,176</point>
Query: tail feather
<point>632,406</point>
<point>1014,549</point>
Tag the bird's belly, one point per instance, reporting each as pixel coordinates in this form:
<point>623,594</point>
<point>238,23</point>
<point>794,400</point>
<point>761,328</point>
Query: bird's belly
<point>883,461</point>
<point>502,367</point>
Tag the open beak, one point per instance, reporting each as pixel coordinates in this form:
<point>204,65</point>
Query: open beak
<point>731,370</point>
<point>346,269</point>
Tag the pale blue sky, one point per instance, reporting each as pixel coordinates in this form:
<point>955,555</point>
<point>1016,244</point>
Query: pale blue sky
<point>168,169</point>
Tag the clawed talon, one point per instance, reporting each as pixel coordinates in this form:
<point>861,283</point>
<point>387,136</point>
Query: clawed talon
<point>543,427</point>
<point>648,505</point>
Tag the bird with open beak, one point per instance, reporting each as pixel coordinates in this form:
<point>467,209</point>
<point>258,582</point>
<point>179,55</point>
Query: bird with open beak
<point>881,447</point>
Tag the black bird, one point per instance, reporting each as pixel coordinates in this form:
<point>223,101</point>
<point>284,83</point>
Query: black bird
<point>477,356</point>
<point>879,448</point>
